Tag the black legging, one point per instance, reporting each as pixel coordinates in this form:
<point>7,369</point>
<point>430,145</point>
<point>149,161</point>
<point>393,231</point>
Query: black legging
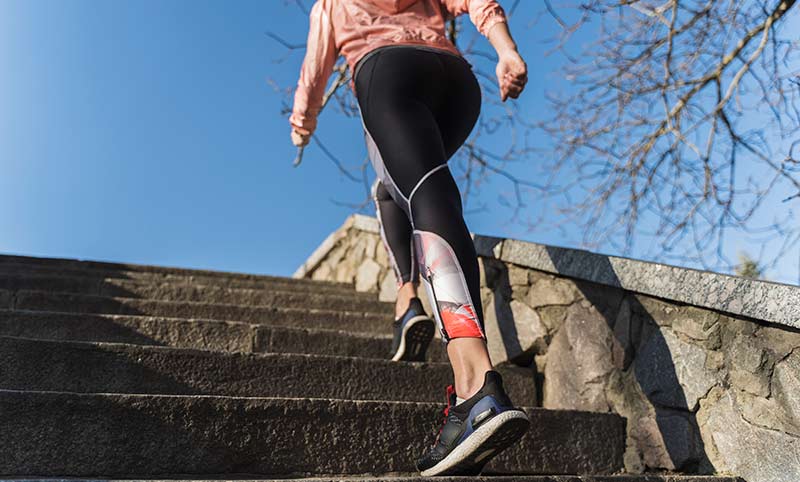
<point>418,105</point>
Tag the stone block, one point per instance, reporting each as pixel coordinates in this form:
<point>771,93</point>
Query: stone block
<point>748,366</point>
<point>552,317</point>
<point>371,245</point>
<point>755,453</point>
<point>323,272</point>
<point>627,333</point>
<point>673,372</point>
<point>382,256</point>
<point>367,276</point>
<point>336,254</point>
<point>698,324</point>
<point>579,362</point>
<point>769,412</point>
<point>358,250</point>
<point>345,272</point>
<point>388,287</point>
<point>786,388</point>
<point>517,276</point>
<point>490,270</point>
<point>514,331</point>
<point>604,299</point>
<point>777,341</point>
<point>549,292</point>
<point>681,437</point>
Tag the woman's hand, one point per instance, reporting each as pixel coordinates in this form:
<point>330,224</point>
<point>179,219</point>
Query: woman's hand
<point>299,139</point>
<point>512,74</point>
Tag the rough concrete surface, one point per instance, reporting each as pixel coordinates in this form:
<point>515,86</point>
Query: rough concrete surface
<point>146,435</point>
<point>61,366</point>
<point>356,321</point>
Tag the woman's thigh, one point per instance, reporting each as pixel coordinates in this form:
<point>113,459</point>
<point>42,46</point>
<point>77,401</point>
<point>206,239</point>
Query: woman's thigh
<point>461,104</point>
<point>417,107</point>
<point>397,111</point>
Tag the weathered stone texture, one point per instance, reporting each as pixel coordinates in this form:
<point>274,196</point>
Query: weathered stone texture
<point>367,276</point>
<point>741,447</point>
<point>5,300</point>
<point>786,389</point>
<point>520,330</point>
<point>748,366</point>
<point>388,287</point>
<point>553,291</point>
<point>702,390</point>
<point>579,362</point>
<point>142,435</point>
<point>672,372</point>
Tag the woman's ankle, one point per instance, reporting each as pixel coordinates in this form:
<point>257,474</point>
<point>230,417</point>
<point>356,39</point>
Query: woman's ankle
<point>468,384</point>
<point>470,360</point>
<point>404,295</point>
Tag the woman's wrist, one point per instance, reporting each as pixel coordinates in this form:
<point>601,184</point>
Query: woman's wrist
<point>501,40</point>
<point>508,52</point>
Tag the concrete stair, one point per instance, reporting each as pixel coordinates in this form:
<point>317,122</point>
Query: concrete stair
<point>278,294</point>
<point>126,371</point>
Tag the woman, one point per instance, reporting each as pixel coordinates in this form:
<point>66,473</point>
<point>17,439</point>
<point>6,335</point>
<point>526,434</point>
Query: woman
<point>419,100</point>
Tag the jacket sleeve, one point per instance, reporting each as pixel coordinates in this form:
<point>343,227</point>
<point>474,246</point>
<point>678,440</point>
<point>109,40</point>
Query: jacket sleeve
<point>321,54</point>
<point>483,13</point>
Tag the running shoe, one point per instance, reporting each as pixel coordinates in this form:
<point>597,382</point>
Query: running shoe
<point>474,431</point>
<point>412,333</point>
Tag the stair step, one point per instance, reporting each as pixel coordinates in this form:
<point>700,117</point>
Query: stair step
<point>483,478</point>
<point>230,336</point>
<point>286,294</point>
<point>157,435</point>
<point>60,366</point>
<point>60,264</point>
<point>270,315</point>
<point>90,276</point>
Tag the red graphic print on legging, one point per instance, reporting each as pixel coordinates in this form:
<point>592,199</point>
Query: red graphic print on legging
<point>446,288</point>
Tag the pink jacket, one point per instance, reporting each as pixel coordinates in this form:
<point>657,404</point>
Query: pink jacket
<point>354,27</point>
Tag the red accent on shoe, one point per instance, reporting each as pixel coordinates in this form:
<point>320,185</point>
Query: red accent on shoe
<point>451,390</point>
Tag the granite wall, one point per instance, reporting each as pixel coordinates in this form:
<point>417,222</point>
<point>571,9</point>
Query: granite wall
<point>706,386</point>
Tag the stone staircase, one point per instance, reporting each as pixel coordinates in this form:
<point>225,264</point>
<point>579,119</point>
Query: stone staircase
<point>125,371</point>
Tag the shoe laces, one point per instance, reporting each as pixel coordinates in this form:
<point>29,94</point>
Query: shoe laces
<point>451,391</point>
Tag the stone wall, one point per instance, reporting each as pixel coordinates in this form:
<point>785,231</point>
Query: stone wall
<point>705,367</point>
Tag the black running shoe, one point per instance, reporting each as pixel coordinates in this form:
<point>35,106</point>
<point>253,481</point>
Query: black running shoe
<point>412,333</point>
<point>474,431</point>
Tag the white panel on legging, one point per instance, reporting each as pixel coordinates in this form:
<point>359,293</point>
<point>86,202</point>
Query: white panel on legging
<point>446,286</point>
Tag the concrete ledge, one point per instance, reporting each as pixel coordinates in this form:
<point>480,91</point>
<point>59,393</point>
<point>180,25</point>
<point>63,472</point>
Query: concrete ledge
<point>761,300</point>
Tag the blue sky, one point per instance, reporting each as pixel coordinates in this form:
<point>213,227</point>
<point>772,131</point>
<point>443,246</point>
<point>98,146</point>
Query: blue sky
<point>146,131</point>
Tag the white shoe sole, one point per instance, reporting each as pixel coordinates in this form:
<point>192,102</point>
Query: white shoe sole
<point>488,440</point>
<point>420,337</point>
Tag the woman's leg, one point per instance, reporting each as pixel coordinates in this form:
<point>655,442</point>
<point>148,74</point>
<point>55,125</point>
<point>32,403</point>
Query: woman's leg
<point>449,266</point>
<point>395,230</point>
<point>417,109</point>
<point>469,357</point>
